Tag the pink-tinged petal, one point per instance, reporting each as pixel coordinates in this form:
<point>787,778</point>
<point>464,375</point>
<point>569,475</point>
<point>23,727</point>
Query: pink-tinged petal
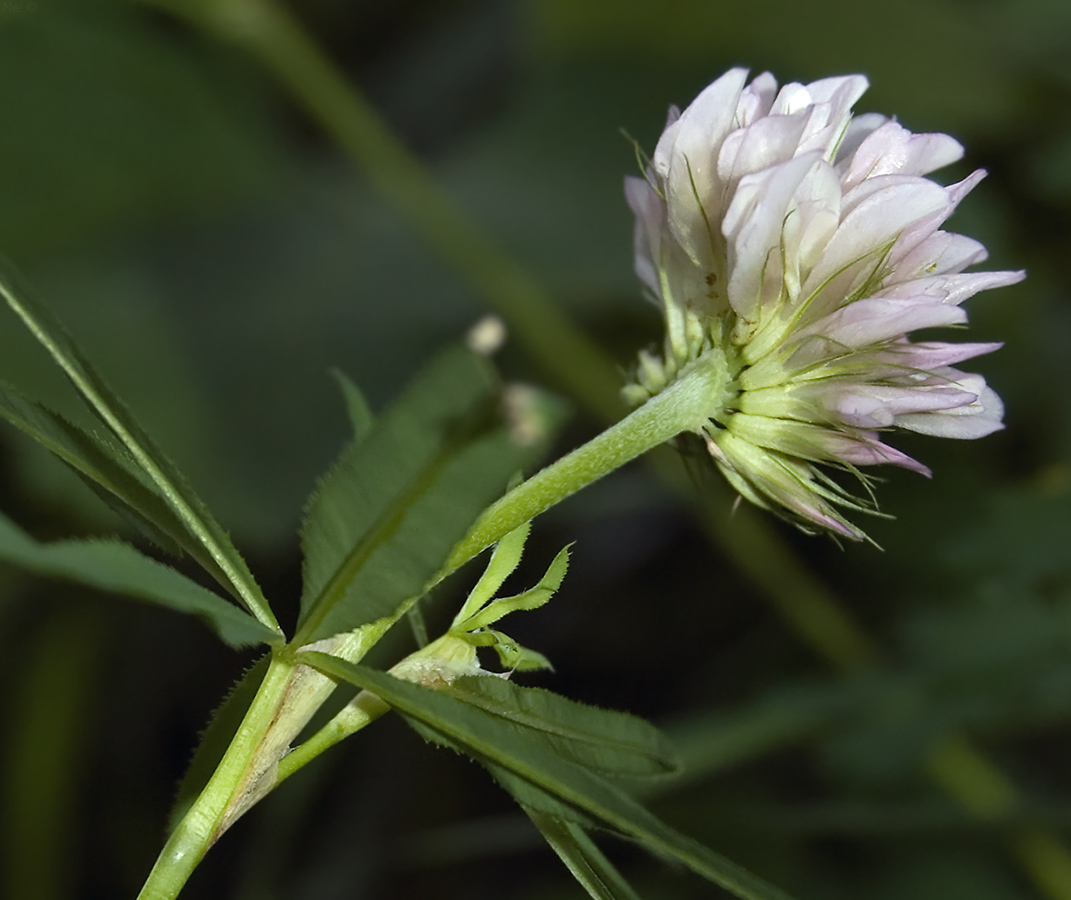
<point>858,130</point>
<point>685,159</point>
<point>649,211</point>
<point>875,453</point>
<point>752,227</point>
<point>969,422</point>
<point>875,320</point>
<point>840,92</point>
<point>792,98</point>
<point>941,253</point>
<point>924,357</point>
<point>755,100</point>
<point>764,143</point>
<point>873,406</point>
<point>813,221</point>
<point>892,150</point>
<point>919,232</point>
<point>951,289</point>
<point>833,99</point>
<point>875,214</point>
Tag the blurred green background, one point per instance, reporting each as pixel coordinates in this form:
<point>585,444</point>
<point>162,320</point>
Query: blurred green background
<point>217,255</point>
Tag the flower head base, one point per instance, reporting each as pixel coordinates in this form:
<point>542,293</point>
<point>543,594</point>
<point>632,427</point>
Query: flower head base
<point>798,247</point>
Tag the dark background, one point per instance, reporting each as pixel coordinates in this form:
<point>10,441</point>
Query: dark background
<point>216,255</point>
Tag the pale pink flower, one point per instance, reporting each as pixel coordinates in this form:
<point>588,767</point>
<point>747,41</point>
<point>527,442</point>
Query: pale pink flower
<point>798,247</point>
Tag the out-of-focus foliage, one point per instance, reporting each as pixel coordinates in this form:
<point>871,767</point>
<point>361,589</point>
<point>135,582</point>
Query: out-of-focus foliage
<point>218,256</point>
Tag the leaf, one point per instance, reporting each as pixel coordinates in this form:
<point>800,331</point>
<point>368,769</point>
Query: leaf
<point>107,469</point>
<point>595,872</point>
<point>494,742</point>
<point>360,413</point>
<point>120,569</point>
<point>384,519</point>
<point>599,739</point>
<point>189,508</point>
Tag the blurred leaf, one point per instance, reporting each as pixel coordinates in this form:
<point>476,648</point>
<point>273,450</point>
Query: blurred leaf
<point>589,867</point>
<point>50,711</point>
<point>575,792</point>
<point>384,519</point>
<point>118,568</point>
<point>225,563</point>
<point>976,85</point>
<point>112,122</point>
<point>360,413</point>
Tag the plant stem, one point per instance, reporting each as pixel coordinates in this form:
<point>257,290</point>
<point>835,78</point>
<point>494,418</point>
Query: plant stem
<point>685,405</point>
<point>201,825</point>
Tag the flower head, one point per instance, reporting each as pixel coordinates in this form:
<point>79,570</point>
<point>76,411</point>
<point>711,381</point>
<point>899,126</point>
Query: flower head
<point>798,246</point>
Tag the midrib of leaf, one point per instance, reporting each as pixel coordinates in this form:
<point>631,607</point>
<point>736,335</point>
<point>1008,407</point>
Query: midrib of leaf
<point>573,784</point>
<point>83,380</point>
<point>536,723</point>
<point>595,873</point>
<point>380,533</point>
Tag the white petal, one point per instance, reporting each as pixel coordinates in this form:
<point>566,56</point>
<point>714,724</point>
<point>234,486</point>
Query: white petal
<point>649,210</point>
<point>875,214</point>
<point>976,420</point>
<point>686,158</point>
<point>951,289</point>
<point>764,143</point>
<point>875,320</point>
<point>942,252</point>
<point>752,226</point>
<point>892,149</point>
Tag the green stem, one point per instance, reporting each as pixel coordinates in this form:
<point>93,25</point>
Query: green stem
<point>685,405</point>
<point>203,822</point>
<point>363,710</point>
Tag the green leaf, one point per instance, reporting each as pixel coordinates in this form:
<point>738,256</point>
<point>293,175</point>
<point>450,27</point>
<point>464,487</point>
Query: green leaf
<point>492,741</point>
<point>384,519</point>
<point>107,469</point>
<point>595,872</point>
<point>187,506</point>
<point>360,413</point>
<point>602,740</point>
<point>120,569</point>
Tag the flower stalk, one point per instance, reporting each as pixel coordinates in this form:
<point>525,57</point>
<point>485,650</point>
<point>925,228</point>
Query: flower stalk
<point>701,390</point>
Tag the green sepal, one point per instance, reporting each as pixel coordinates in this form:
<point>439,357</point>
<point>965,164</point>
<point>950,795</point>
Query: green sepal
<point>505,558</point>
<point>531,599</point>
<point>118,568</point>
<point>515,657</point>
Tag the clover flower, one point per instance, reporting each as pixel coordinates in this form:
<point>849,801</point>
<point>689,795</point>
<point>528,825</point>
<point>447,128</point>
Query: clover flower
<point>796,247</point>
